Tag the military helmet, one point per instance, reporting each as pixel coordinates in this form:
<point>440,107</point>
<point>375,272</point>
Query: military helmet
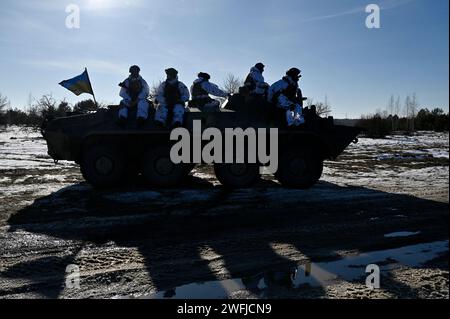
<point>294,73</point>
<point>171,72</point>
<point>260,66</point>
<point>204,75</point>
<point>134,69</point>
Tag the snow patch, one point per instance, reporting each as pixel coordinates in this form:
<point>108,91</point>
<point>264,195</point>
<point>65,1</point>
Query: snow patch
<point>5,180</point>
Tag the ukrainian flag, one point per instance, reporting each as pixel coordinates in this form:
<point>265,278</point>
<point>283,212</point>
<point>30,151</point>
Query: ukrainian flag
<point>79,85</point>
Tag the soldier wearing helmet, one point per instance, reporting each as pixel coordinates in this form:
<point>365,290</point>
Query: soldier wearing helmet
<point>201,90</point>
<point>134,92</point>
<point>255,81</point>
<point>172,97</point>
<point>286,95</point>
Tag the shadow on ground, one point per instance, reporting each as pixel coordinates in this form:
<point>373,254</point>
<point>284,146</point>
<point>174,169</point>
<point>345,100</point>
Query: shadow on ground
<point>170,227</point>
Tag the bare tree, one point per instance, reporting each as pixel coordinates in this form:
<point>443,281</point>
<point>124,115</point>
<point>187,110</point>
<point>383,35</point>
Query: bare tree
<point>46,105</point>
<point>407,106</point>
<point>411,106</point>
<point>408,112</point>
<point>323,108</point>
<point>30,100</point>
<point>413,110</point>
<point>155,87</point>
<point>391,105</point>
<point>232,84</point>
<point>3,104</point>
<point>397,108</point>
<point>390,110</point>
<point>397,111</point>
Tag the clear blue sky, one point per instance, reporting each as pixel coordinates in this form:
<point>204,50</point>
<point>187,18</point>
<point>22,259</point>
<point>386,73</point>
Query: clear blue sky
<point>357,68</point>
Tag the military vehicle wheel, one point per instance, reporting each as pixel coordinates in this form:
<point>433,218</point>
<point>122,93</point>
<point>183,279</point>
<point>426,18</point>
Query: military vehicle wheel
<point>102,166</point>
<point>159,170</point>
<point>237,175</point>
<point>299,169</point>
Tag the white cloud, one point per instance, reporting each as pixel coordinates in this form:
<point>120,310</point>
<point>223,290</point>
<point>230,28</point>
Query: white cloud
<point>384,5</point>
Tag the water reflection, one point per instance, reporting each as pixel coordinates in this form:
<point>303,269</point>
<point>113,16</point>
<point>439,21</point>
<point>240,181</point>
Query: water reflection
<point>294,276</point>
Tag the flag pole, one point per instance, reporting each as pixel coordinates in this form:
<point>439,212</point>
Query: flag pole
<point>90,83</point>
<point>95,101</point>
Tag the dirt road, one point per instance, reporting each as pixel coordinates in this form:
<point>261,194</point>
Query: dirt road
<point>384,202</point>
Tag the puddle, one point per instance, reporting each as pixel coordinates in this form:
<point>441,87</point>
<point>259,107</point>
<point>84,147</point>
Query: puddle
<point>313,274</point>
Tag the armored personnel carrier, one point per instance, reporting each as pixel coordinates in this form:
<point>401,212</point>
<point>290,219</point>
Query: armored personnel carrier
<point>108,153</point>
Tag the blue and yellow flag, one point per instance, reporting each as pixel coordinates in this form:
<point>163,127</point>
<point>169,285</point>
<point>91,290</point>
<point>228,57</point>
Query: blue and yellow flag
<point>79,85</point>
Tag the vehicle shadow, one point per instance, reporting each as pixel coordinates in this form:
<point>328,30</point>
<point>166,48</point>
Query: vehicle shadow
<point>202,232</point>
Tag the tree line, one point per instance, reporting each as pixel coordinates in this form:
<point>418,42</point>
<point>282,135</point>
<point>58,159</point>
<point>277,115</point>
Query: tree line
<point>37,111</point>
<point>405,117</point>
<point>396,117</point>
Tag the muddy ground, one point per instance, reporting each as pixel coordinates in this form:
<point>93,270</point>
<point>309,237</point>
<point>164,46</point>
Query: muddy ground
<point>383,202</point>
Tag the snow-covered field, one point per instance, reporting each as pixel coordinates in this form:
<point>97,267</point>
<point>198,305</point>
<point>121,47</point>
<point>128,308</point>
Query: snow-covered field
<point>399,164</point>
<point>416,165</point>
<point>380,194</point>
<point>25,166</point>
<point>24,148</point>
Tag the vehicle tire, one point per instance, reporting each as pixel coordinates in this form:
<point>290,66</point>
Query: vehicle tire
<point>300,169</point>
<point>237,175</point>
<point>159,170</point>
<point>102,166</point>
